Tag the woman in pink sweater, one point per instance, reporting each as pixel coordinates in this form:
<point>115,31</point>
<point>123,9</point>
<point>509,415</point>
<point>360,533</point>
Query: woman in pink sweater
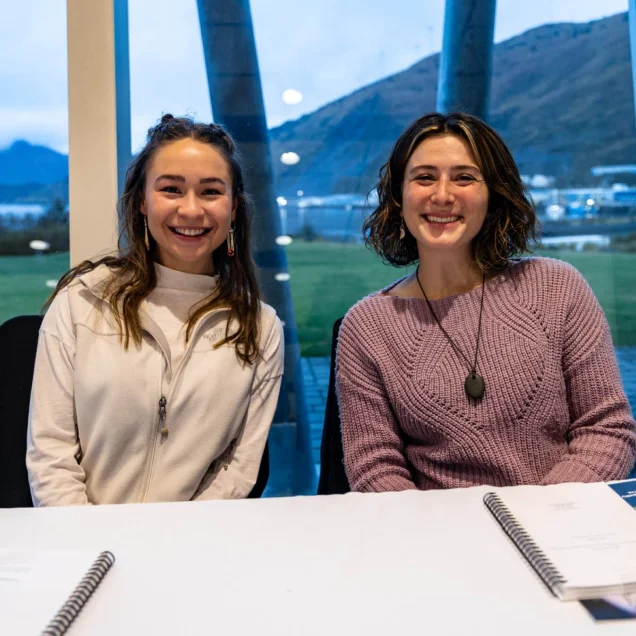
<point>479,368</point>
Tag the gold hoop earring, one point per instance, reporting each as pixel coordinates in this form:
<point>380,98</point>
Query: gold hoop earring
<point>230,243</point>
<point>146,237</point>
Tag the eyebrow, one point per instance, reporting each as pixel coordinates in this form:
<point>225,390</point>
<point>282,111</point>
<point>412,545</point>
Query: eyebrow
<point>427,167</point>
<point>181,179</point>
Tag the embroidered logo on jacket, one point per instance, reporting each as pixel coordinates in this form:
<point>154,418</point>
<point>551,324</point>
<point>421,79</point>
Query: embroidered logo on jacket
<point>215,335</point>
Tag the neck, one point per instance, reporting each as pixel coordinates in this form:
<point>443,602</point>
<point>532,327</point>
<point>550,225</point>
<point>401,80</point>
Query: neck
<point>206,268</point>
<point>442,276</point>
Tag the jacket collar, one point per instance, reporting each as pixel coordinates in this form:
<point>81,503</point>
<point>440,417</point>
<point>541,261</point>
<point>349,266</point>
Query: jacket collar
<point>96,281</point>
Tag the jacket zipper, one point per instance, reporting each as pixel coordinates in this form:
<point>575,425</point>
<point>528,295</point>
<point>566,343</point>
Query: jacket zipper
<point>163,429</point>
<point>163,402</point>
<point>184,361</point>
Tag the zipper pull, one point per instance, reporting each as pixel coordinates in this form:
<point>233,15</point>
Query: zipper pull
<point>163,429</point>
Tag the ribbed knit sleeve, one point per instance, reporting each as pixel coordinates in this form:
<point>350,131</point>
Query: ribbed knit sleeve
<point>601,436</point>
<point>373,446</point>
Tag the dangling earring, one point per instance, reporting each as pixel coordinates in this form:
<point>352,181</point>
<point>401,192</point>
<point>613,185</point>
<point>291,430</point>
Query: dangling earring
<point>146,237</point>
<point>402,230</point>
<point>230,243</point>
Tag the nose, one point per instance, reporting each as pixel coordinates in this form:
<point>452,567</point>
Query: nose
<point>442,194</point>
<point>190,206</point>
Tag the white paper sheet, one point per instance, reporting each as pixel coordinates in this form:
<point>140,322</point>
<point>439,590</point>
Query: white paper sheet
<point>35,585</point>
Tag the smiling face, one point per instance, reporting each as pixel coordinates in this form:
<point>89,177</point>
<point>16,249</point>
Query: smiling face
<point>444,196</point>
<point>188,204</point>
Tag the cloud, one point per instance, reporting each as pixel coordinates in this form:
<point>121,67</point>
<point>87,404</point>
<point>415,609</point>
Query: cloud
<point>324,49</point>
<point>46,127</point>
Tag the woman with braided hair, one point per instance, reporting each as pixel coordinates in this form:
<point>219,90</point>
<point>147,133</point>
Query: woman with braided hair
<point>158,369</point>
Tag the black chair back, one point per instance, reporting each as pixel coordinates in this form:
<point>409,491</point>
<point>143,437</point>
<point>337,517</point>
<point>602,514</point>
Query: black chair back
<point>18,344</point>
<point>333,479</point>
<point>262,477</point>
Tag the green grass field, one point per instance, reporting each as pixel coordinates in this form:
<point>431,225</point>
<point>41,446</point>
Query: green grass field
<point>327,278</point>
<point>23,280</point>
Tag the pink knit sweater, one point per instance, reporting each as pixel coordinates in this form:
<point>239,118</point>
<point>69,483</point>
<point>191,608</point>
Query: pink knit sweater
<point>554,408</point>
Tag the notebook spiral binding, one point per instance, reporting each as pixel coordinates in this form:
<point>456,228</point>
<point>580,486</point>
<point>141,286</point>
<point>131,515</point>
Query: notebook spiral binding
<point>530,550</point>
<point>73,606</point>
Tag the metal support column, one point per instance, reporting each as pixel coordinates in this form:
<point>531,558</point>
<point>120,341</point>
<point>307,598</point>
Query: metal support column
<point>237,104</point>
<point>466,59</point>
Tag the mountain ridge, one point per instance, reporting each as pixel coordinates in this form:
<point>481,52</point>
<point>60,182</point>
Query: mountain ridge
<point>561,98</point>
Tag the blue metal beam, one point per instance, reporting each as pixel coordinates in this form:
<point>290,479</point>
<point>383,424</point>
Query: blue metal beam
<point>466,59</point>
<point>237,103</point>
<point>122,90</point>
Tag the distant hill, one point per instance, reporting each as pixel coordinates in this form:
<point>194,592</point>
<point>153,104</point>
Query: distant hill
<point>23,162</point>
<point>34,192</point>
<point>561,97</point>
<point>32,174</point>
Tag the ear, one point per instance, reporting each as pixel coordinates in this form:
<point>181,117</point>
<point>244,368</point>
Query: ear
<point>234,206</point>
<point>143,208</point>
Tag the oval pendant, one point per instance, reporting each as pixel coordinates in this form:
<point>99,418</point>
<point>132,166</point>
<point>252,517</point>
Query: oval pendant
<point>474,386</point>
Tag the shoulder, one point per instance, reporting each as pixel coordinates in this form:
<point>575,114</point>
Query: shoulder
<point>540,281</point>
<point>267,316</point>
<point>76,303</point>
<point>99,280</point>
<point>374,319</point>
<point>271,327</point>
<point>557,291</point>
<point>370,335</point>
<point>543,269</point>
<point>58,319</point>
<point>366,313</point>
<point>90,285</point>
<point>271,339</point>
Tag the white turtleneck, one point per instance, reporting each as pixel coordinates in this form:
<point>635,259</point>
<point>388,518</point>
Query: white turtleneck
<point>171,302</point>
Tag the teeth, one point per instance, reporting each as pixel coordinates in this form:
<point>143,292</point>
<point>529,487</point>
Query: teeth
<point>188,232</point>
<point>442,219</point>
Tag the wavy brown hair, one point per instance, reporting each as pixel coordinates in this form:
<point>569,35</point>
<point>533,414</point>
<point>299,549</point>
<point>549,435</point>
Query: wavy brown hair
<point>133,272</point>
<point>509,226</point>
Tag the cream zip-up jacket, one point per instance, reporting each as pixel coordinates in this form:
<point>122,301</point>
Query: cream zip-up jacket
<point>97,411</point>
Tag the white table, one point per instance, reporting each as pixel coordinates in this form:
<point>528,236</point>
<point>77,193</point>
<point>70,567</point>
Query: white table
<point>405,563</point>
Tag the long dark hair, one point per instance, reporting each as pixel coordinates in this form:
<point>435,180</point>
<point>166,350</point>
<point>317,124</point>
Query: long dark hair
<point>133,272</point>
<point>509,226</point>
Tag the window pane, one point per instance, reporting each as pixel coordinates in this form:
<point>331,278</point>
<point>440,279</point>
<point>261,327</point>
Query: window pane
<point>574,140</point>
<point>338,92</point>
<point>33,154</point>
<point>572,130</point>
<point>165,79</point>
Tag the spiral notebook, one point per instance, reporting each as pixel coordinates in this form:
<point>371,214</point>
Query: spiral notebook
<point>579,538</point>
<point>43,592</point>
